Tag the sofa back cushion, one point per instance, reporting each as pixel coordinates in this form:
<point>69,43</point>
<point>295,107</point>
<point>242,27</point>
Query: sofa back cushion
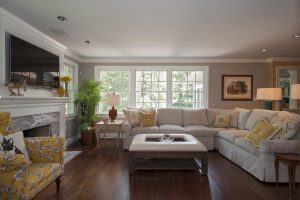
<point>293,117</point>
<point>258,114</point>
<point>212,114</point>
<point>194,117</point>
<point>243,117</point>
<point>170,116</point>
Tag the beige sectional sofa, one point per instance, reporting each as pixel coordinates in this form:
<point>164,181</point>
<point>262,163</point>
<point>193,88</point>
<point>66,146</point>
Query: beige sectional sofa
<point>230,142</point>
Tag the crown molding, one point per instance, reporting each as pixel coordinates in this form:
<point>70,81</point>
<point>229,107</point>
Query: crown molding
<point>27,29</point>
<point>284,59</point>
<point>175,60</point>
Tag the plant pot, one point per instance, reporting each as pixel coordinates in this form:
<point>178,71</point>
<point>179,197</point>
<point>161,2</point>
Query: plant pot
<point>88,136</point>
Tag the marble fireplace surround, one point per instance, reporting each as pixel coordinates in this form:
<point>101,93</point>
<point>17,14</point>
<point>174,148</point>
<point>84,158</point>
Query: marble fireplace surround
<point>32,112</point>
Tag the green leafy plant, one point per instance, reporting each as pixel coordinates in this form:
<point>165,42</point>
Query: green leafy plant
<point>88,98</point>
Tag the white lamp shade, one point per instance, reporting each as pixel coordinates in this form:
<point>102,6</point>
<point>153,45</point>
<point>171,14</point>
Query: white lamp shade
<point>269,94</point>
<point>295,91</point>
<point>113,99</point>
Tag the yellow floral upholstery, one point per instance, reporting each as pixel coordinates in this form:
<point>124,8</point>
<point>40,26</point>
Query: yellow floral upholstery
<point>10,162</point>
<point>45,149</point>
<point>5,122</point>
<point>46,154</point>
<point>25,182</point>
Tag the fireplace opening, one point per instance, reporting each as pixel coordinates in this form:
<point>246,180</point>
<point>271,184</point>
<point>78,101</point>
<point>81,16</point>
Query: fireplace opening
<point>42,131</point>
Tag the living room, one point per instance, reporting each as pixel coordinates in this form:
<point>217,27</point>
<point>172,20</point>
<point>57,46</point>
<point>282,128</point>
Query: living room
<point>149,100</point>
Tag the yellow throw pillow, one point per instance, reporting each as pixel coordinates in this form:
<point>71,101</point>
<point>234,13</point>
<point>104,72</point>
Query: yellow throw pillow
<point>222,121</point>
<point>147,119</point>
<point>262,130</point>
<point>10,162</point>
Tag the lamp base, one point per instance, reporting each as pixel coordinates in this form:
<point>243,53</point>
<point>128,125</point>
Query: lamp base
<point>268,105</point>
<point>113,114</point>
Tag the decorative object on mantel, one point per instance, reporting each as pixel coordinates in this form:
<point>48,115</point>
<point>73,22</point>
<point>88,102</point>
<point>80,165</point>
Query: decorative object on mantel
<point>269,95</point>
<point>237,87</point>
<point>88,98</point>
<point>66,79</point>
<point>16,85</point>
<point>60,91</point>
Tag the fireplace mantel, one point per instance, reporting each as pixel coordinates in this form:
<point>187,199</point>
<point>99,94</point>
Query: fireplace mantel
<point>8,101</point>
<point>20,106</point>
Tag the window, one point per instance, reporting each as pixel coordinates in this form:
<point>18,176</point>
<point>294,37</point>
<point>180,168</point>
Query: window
<point>155,86</point>
<point>114,81</point>
<point>151,89</point>
<point>70,106</point>
<point>188,89</point>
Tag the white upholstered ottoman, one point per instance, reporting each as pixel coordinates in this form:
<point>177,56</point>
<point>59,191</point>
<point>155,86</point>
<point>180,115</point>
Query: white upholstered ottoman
<point>148,147</point>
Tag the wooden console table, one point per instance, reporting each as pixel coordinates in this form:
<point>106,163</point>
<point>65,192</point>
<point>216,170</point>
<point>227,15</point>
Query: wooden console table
<point>109,125</point>
<point>291,160</point>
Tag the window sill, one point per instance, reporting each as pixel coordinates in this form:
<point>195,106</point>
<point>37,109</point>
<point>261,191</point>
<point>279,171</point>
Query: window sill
<point>70,117</point>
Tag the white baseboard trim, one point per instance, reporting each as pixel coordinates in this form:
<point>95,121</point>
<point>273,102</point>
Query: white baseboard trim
<point>72,140</point>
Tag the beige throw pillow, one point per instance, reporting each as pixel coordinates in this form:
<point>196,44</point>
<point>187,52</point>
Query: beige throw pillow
<point>133,117</point>
<point>288,128</point>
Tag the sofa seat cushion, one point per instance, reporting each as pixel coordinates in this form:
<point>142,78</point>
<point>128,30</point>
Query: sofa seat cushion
<point>171,129</point>
<point>22,181</point>
<point>200,131</point>
<point>142,130</point>
<point>169,116</point>
<point>246,145</point>
<point>231,134</point>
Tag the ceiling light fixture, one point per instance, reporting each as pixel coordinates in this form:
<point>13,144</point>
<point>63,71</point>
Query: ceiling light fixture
<point>296,36</point>
<point>62,18</point>
<point>87,42</point>
<point>263,50</point>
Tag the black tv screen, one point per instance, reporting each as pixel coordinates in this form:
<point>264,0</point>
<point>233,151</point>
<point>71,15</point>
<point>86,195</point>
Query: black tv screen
<point>35,66</point>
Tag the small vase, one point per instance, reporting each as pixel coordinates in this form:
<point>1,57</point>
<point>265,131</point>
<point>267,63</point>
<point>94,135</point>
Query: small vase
<point>66,90</point>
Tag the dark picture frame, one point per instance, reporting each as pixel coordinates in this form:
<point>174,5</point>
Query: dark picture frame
<point>237,87</point>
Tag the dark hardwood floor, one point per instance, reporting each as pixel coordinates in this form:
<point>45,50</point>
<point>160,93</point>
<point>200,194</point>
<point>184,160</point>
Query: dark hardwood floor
<point>103,174</point>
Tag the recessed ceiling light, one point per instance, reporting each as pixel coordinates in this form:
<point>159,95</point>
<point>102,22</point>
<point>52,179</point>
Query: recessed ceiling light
<point>87,42</point>
<point>296,36</point>
<point>263,50</point>
<point>62,18</point>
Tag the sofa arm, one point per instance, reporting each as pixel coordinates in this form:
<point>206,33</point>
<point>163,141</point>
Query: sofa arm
<point>279,146</point>
<point>126,128</point>
<point>45,149</point>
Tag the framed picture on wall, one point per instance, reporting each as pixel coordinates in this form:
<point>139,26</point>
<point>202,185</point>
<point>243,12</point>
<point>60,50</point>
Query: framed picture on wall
<point>237,87</point>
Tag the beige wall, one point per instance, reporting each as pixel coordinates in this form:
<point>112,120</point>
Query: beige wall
<point>260,71</point>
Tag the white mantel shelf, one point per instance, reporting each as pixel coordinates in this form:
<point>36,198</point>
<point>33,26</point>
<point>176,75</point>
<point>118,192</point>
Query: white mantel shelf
<point>33,100</point>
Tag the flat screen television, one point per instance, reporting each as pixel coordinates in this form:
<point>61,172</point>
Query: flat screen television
<point>29,63</point>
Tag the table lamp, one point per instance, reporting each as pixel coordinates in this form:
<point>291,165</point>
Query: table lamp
<point>269,95</point>
<point>113,100</point>
<point>295,91</point>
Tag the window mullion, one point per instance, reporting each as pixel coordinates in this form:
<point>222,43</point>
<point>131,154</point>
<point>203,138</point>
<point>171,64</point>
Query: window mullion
<point>169,88</point>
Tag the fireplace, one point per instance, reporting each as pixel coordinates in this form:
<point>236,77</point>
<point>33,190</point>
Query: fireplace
<point>42,131</point>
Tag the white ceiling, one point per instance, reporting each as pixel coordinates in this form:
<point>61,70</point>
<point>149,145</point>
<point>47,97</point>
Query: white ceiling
<point>167,28</point>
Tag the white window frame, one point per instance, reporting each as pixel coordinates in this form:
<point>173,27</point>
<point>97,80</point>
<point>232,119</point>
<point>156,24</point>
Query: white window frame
<point>132,76</point>
<point>74,65</point>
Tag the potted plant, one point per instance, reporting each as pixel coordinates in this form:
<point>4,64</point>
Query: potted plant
<point>88,98</point>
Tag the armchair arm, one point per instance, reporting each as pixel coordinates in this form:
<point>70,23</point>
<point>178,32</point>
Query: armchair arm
<point>126,127</point>
<point>45,149</point>
<point>279,146</point>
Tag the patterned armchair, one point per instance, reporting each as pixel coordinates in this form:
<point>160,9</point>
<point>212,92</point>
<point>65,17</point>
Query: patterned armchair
<point>25,182</point>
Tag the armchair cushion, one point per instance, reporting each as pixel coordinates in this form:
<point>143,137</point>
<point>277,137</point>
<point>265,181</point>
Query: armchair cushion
<point>27,181</point>
<point>10,162</point>
<point>45,149</point>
